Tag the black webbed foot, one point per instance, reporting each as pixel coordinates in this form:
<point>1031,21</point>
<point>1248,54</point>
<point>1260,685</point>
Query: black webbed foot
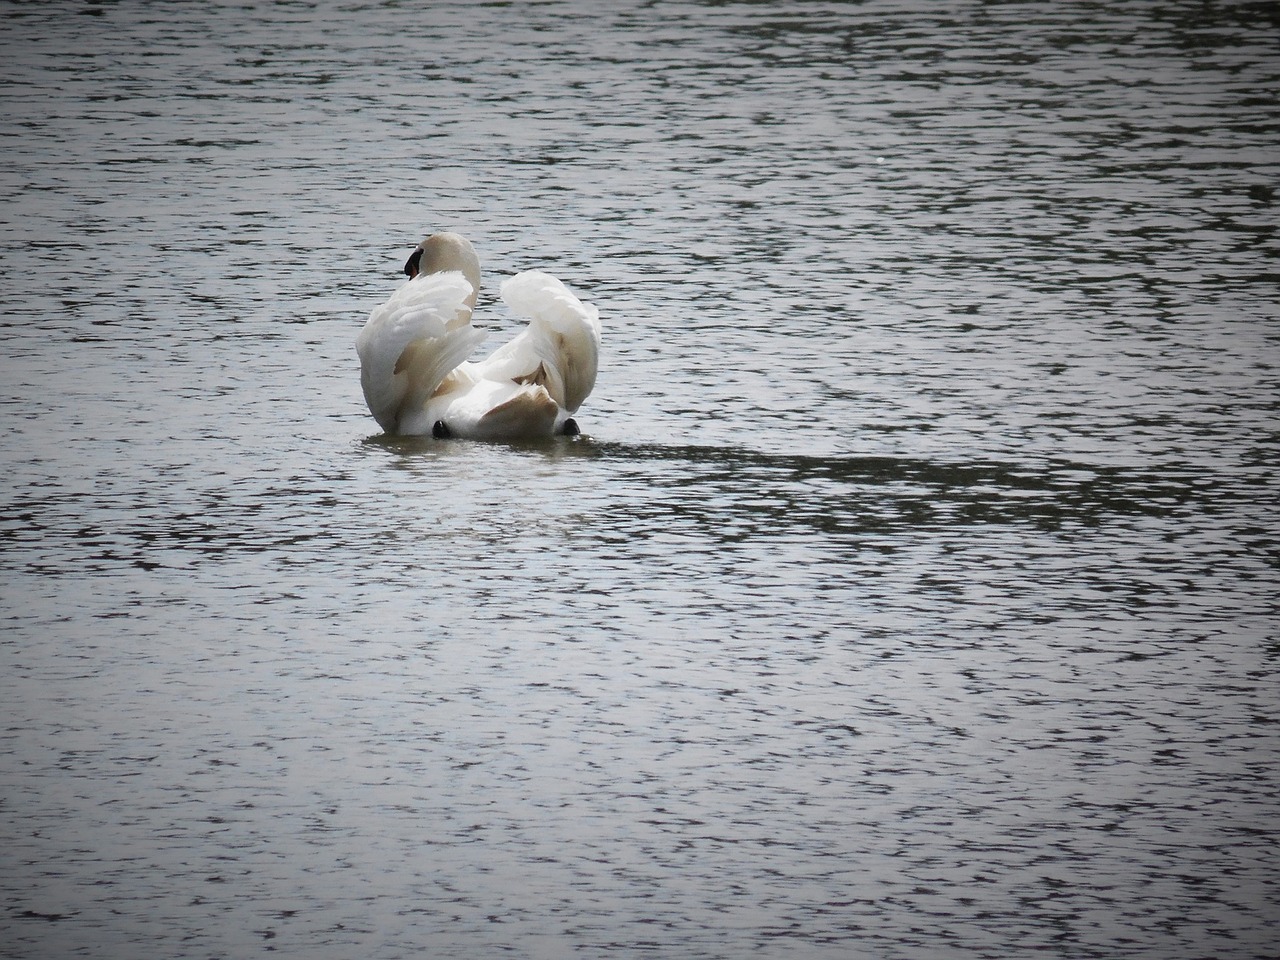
<point>440,430</point>
<point>570,428</point>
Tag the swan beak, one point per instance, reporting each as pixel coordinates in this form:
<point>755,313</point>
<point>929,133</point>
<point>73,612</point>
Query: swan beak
<point>411,265</point>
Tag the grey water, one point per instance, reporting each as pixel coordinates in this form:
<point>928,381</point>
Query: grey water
<point>911,593</point>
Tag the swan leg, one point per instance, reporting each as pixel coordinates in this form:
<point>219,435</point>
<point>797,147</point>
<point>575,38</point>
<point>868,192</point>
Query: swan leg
<point>570,428</point>
<point>440,430</point>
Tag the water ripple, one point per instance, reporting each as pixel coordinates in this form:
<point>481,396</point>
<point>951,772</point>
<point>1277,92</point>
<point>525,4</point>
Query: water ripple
<point>912,592</point>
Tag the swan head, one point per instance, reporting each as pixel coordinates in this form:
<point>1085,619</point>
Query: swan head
<point>442,252</point>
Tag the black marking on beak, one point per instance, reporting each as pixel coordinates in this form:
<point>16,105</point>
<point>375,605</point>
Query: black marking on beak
<point>411,265</point>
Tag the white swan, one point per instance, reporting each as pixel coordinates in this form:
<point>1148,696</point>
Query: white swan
<point>413,352</point>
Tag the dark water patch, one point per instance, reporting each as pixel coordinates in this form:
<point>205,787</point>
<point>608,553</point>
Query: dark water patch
<point>1048,495</point>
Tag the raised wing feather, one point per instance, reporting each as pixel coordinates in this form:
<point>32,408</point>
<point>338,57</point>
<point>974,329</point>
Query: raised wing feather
<point>410,344</point>
<point>560,349</point>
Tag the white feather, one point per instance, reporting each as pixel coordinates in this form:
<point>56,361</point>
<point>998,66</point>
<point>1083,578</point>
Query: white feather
<point>411,343</point>
<point>563,339</point>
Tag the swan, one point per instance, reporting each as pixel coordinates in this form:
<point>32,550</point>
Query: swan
<point>413,353</point>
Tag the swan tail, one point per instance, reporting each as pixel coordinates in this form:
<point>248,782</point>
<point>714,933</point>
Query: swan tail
<point>411,343</point>
<point>529,412</point>
<point>560,349</point>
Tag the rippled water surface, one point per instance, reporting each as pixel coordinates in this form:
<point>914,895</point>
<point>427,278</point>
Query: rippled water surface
<point>912,592</point>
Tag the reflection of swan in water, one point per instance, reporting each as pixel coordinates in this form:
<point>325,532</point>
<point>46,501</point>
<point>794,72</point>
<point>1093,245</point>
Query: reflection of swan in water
<point>414,348</point>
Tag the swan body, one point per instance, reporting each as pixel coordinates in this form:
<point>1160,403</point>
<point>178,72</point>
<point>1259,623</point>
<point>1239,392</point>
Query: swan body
<point>413,353</point>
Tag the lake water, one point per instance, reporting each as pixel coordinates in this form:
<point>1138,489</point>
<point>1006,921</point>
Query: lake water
<point>911,593</point>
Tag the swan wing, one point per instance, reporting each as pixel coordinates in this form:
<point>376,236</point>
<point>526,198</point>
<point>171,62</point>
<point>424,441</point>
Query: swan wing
<point>560,349</point>
<point>412,342</point>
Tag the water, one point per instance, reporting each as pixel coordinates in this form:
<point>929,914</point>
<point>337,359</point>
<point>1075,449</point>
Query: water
<point>913,592</point>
